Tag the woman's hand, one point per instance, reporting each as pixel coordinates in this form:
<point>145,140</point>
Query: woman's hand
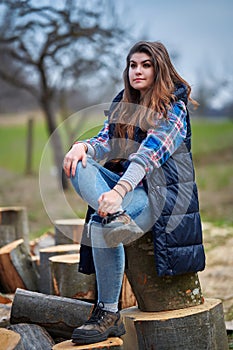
<point>76,153</point>
<point>109,203</point>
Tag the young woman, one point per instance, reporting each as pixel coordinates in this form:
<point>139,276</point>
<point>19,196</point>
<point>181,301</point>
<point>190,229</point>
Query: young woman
<point>147,183</point>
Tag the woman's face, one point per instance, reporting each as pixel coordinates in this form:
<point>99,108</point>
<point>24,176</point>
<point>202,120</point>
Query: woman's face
<point>141,72</point>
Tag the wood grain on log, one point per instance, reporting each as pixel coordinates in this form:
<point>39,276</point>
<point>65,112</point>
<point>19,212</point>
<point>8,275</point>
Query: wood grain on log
<point>200,327</point>
<point>127,297</point>
<point>16,267</point>
<point>32,337</point>
<point>8,339</point>
<point>46,253</point>
<point>68,281</point>
<point>155,293</point>
<point>110,343</point>
<point>68,231</point>
<point>58,315</point>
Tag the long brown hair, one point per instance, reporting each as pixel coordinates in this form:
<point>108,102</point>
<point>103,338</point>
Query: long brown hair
<point>156,100</point>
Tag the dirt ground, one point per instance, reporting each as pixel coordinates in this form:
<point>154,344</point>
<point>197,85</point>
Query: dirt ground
<point>216,280</point>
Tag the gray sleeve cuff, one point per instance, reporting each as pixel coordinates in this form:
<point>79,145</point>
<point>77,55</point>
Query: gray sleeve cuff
<point>90,149</point>
<point>134,174</point>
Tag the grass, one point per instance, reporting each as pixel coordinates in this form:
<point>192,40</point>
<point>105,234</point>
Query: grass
<point>212,145</point>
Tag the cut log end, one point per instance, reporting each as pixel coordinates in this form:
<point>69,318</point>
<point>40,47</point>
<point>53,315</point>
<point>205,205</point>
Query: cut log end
<point>9,339</point>
<point>110,343</point>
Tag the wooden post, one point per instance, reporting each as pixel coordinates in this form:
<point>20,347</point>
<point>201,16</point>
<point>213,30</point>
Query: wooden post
<point>45,254</point>
<point>109,344</point>
<point>200,327</point>
<point>155,293</point>
<point>68,231</point>
<point>67,281</point>
<point>16,217</point>
<point>58,315</point>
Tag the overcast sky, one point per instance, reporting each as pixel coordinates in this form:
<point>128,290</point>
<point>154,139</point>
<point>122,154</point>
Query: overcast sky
<point>200,31</point>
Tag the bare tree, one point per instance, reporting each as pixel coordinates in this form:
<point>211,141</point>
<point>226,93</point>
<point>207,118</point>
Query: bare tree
<point>53,46</point>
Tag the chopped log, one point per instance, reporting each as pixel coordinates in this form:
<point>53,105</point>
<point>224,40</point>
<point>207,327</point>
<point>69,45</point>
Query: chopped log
<point>9,339</point>
<point>5,311</point>
<point>155,293</point>
<point>32,337</point>
<point>68,231</point>
<point>7,234</point>
<point>58,315</point>
<point>200,327</point>
<point>45,254</point>
<point>127,297</point>
<point>44,241</point>
<point>67,281</point>
<point>16,267</point>
<point>110,343</point>
<point>17,217</point>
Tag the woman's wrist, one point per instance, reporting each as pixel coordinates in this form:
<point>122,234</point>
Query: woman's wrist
<point>81,143</point>
<point>122,188</point>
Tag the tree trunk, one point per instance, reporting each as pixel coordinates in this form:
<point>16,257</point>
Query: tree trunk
<point>68,231</point>
<point>155,293</point>
<point>32,337</point>
<point>9,339</point>
<point>67,281</point>
<point>16,267</point>
<point>55,138</point>
<point>200,327</point>
<point>109,344</point>
<point>58,315</point>
<point>46,253</point>
<point>16,217</point>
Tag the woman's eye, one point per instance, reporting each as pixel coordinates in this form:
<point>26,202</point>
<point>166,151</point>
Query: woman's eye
<point>147,65</point>
<point>132,65</point>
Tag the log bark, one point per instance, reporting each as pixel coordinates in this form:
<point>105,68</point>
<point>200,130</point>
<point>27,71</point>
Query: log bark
<point>58,315</point>
<point>68,231</point>
<point>8,339</point>
<point>155,293</point>
<point>200,327</point>
<point>17,217</point>
<point>110,343</point>
<point>32,337</point>
<point>7,234</point>
<point>16,267</point>
<point>46,253</point>
<point>67,281</point>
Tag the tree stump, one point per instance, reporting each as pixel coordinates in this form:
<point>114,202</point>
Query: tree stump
<point>67,281</point>
<point>16,267</point>
<point>45,254</point>
<point>7,234</point>
<point>58,315</point>
<point>200,327</point>
<point>8,339</point>
<point>110,343</point>
<point>16,217</point>
<point>155,293</point>
<point>32,337</point>
<point>68,231</point>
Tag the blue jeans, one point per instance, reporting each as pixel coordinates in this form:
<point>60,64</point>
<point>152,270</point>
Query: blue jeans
<point>90,182</point>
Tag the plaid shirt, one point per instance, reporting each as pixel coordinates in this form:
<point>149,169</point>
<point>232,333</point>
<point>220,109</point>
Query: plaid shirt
<point>160,143</point>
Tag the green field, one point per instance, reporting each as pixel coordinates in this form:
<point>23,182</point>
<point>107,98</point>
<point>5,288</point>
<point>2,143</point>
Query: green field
<point>212,145</point>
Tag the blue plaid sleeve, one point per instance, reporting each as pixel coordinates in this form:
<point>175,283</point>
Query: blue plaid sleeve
<point>163,140</point>
<point>100,142</point>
